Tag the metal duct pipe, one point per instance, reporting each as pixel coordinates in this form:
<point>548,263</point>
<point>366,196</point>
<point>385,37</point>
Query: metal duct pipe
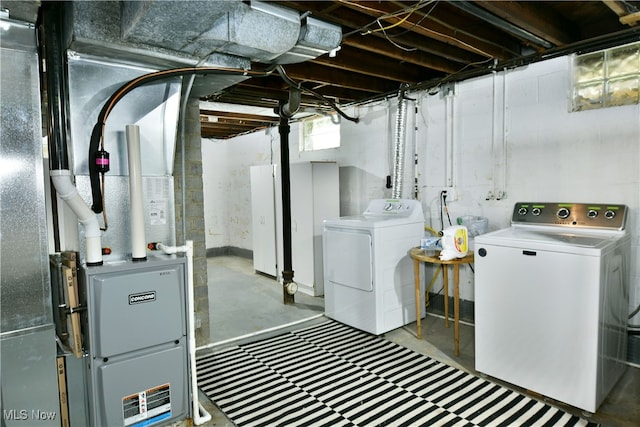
<point>136,213</point>
<point>399,146</point>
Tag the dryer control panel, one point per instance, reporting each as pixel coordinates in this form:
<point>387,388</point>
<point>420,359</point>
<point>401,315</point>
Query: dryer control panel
<point>401,208</point>
<point>578,215</point>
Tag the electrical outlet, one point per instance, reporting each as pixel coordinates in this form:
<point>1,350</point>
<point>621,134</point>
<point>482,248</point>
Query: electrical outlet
<point>452,193</point>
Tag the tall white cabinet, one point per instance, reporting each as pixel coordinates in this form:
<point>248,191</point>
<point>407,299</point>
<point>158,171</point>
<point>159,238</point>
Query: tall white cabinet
<point>263,212</point>
<point>314,198</point>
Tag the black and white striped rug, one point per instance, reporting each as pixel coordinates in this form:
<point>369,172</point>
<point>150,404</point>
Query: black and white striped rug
<point>333,375</point>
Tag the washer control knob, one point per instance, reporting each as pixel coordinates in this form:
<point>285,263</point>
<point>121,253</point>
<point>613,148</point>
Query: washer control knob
<point>536,211</point>
<point>563,213</point>
<point>592,213</point>
<point>610,214</point>
<point>522,211</point>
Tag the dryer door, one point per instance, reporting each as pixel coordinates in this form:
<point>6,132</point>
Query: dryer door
<point>348,258</point>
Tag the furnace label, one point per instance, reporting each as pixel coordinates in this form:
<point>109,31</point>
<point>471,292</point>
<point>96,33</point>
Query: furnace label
<point>142,297</point>
<point>147,407</point>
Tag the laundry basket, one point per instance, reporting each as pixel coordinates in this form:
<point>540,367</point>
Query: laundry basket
<point>476,225</point>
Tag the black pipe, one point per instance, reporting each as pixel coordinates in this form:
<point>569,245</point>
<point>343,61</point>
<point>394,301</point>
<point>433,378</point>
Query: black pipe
<point>53,81</point>
<point>51,30</point>
<point>287,272</point>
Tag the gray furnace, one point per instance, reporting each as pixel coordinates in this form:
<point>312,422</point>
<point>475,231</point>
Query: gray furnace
<point>136,347</point>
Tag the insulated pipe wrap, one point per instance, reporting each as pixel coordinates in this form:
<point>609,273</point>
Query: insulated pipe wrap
<point>138,244</point>
<point>399,146</point>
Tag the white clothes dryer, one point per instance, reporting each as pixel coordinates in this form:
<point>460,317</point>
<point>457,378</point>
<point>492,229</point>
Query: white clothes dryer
<point>368,274</point>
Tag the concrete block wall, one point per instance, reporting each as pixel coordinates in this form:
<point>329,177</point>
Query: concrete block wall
<point>193,217</point>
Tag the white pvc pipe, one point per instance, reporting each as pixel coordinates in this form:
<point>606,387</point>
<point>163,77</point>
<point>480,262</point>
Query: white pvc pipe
<point>138,243</point>
<point>261,332</point>
<point>200,415</point>
<point>61,179</point>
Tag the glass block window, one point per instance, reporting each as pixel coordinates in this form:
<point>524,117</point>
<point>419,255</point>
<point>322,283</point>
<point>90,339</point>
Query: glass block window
<point>607,78</point>
<point>319,133</point>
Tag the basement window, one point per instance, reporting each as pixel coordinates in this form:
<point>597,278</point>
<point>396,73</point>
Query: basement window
<point>607,78</point>
<point>319,133</point>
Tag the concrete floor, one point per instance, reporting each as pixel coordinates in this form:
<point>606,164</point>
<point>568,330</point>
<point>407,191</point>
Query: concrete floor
<point>243,303</point>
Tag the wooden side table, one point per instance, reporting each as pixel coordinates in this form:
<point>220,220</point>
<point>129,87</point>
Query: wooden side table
<point>419,256</point>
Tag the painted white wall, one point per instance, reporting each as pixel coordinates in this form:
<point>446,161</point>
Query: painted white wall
<point>513,134</point>
<point>497,140</point>
<point>227,190</point>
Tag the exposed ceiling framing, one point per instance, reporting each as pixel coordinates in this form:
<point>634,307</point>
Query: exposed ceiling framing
<point>387,44</point>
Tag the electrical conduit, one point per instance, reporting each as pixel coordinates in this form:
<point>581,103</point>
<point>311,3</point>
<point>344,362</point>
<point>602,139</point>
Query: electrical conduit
<point>200,415</point>
<point>61,179</point>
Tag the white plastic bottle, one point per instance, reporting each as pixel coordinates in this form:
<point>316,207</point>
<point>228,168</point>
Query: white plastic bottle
<point>455,242</point>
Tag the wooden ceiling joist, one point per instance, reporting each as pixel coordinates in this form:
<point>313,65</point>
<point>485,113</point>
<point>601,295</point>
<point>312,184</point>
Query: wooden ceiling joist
<point>389,43</point>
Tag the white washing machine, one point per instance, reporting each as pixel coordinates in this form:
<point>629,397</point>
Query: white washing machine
<point>551,300</point>
<point>368,274</point>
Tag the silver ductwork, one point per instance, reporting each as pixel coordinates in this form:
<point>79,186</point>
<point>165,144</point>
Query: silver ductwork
<point>208,33</point>
<point>27,332</point>
<point>399,147</point>
<point>260,32</point>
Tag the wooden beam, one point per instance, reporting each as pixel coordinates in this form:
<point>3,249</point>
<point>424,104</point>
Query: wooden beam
<point>378,46</point>
<point>355,60</point>
<point>352,20</point>
<point>527,15</point>
<point>253,88</point>
<point>630,19</point>
<point>617,7</point>
<point>307,72</point>
<point>434,29</point>
<point>244,117</point>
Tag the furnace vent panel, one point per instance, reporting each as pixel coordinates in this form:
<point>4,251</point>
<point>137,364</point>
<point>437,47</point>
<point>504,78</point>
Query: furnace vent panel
<point>137,309</point>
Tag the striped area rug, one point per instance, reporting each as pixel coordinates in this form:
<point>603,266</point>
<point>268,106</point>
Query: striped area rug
<point>333,375</point>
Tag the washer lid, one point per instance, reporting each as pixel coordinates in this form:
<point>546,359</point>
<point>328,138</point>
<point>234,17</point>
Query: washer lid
<point>544,240</point>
